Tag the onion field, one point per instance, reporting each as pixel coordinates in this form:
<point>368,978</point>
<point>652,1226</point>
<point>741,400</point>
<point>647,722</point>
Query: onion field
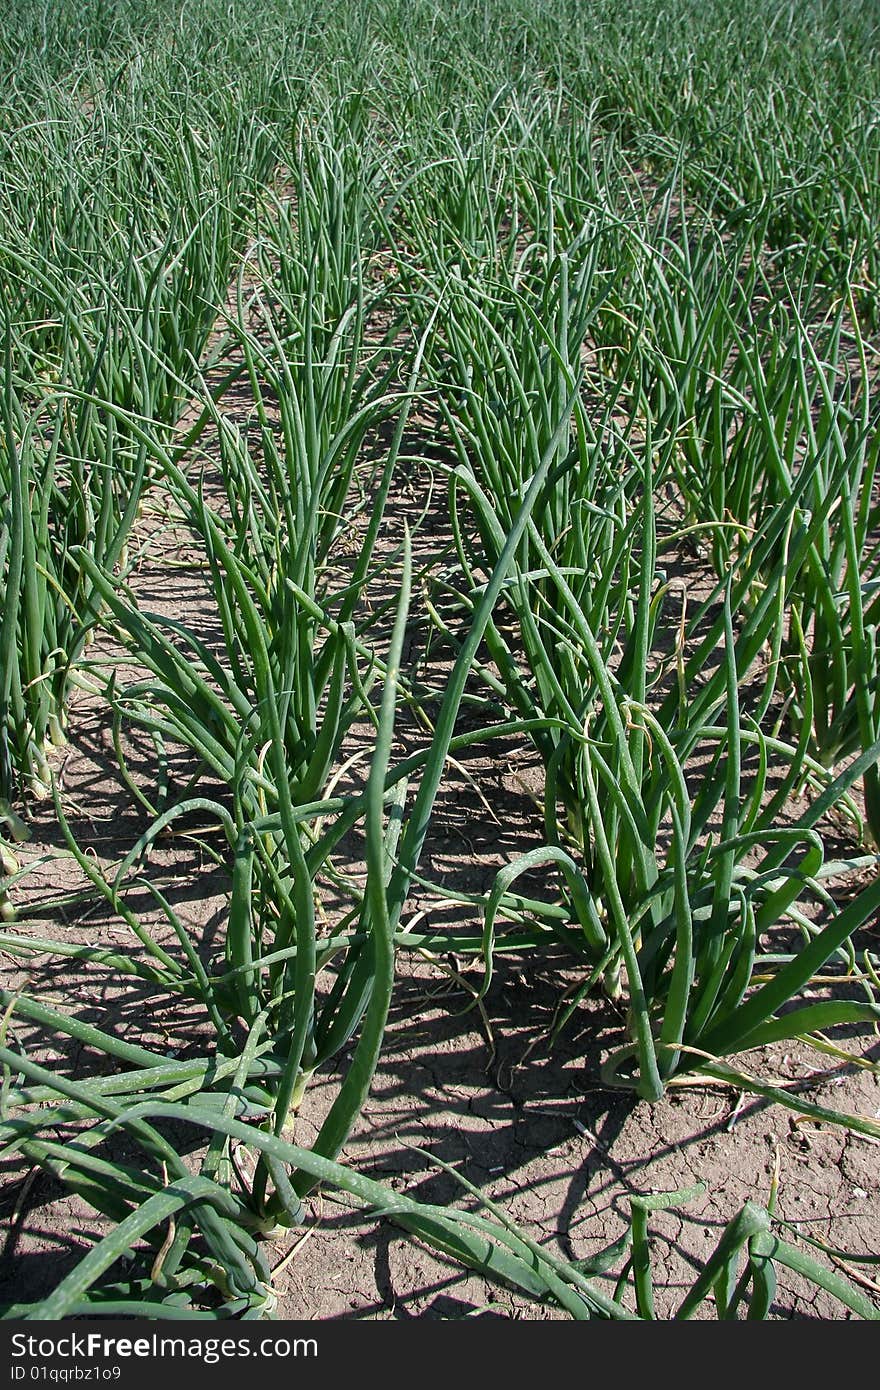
<point>440,553</point>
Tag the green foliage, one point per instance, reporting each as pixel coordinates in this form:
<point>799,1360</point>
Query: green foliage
<point>611,273</point>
